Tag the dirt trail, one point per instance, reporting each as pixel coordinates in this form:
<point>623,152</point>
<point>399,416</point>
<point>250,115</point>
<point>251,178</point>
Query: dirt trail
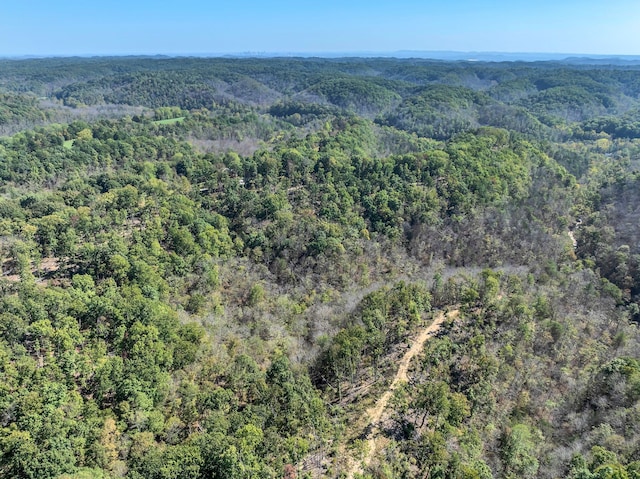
<point>572,236</point>
<point>376,415</point>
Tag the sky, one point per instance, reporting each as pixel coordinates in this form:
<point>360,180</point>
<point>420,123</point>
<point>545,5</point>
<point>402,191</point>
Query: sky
<point>183,27</point>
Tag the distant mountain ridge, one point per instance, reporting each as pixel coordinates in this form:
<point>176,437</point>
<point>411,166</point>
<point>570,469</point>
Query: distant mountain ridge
<point>446,55</point>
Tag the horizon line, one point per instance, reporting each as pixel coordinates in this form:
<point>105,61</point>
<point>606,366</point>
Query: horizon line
<point>400,54</point>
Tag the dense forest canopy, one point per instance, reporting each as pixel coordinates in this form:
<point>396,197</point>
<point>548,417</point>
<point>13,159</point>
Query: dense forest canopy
<point>212,268</point>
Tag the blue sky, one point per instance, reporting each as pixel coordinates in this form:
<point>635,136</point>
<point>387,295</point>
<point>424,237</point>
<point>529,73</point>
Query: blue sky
<point>38,27</point>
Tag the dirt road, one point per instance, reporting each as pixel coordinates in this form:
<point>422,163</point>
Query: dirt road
<point>376,415</point>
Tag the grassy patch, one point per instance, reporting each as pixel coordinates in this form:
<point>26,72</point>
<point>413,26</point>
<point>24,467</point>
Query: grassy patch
<point>68,143</point>
<point>170,121</point>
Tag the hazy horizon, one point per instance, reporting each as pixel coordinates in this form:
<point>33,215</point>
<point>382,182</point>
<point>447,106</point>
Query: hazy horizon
<point>444,55</point>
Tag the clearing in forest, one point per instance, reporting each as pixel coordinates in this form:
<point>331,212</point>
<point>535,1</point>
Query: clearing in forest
<point>169,121</point>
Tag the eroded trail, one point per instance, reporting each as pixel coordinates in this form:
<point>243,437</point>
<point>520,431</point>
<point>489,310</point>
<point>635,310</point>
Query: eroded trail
<point>377,414</point>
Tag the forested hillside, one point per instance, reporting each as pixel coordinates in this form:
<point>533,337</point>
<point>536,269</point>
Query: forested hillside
<point>212,268</point>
